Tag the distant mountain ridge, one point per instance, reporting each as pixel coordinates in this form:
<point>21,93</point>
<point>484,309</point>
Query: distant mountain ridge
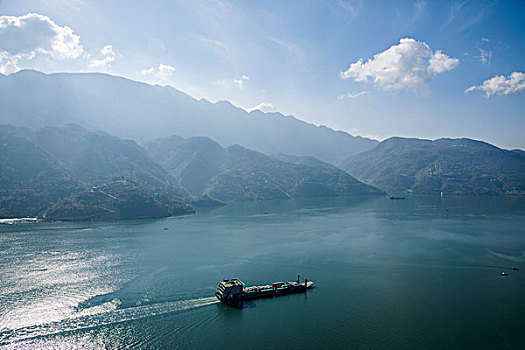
<point>72,173</point>
<point>203,167</point>
<point>95,157</point>
<point>69,171</point>
<point>139,111</point>
<point>43,167</point>
<point>451,166</point>
<point>303,160</point>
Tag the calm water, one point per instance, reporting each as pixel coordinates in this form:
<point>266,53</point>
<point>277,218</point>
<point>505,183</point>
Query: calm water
<point>420,273</point>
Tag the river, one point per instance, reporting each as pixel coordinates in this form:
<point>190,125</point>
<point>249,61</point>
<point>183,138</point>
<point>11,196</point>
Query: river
<point>423,272</point>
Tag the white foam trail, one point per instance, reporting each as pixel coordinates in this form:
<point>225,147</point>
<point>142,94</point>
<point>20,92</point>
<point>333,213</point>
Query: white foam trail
<point>96,317</point>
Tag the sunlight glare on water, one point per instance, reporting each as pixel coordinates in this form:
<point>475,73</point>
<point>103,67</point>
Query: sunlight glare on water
<point>420,273</point>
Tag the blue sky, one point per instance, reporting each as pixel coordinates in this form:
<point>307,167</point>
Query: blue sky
<point>373,68</point>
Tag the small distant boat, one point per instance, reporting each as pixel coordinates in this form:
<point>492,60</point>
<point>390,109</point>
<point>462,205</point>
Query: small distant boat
<point>394,197</point>
<point>515,268</point>
<point>504,274</point>
<point>232,291</point>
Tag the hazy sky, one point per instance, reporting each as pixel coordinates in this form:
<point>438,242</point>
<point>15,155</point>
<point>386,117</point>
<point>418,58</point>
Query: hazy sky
<point>373,68</point>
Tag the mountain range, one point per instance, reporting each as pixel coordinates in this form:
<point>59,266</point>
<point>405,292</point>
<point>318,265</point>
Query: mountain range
<point>203,167</point>
<point>449,166</point>
<point>43,167</point>
<point>72,173</point>
<point>100,147</point>
<point>138,111</point>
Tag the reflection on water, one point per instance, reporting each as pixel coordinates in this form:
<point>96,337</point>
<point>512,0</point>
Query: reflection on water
<point>422,273</point>
<point>103,315</point>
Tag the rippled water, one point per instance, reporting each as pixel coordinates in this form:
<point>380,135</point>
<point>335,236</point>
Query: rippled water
<point>418,273</point>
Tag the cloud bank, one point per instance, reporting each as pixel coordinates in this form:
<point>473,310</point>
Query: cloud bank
<point>501,85</point>
<point>27,36</point>
<point>409,65</point>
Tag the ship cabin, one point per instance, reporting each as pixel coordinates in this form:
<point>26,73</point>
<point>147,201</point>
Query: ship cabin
<point>230,290</point>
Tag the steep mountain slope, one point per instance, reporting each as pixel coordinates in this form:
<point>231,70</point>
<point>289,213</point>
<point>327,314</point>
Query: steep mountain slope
<point>140,111</point>
<point>460,166</point>
<point>119,199</point>
<point>44,166</point>
<point>30,178</point>
<point>96,157</point>
<point>202,166</point>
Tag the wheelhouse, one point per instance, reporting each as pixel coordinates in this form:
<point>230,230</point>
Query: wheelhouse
<point>230,290</point>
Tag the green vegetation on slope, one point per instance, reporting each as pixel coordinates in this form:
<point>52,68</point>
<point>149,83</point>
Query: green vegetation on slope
<point>42,167</point>
<point>30,178</point>
<point>202,166</point>
<point>451,166</point>
<point>94,157</point>
<point>119,199</point>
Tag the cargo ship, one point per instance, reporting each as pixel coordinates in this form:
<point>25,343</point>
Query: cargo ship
<point>233,291</point>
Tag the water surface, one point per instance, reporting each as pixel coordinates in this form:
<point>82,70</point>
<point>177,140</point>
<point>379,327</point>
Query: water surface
<point>417,273</point>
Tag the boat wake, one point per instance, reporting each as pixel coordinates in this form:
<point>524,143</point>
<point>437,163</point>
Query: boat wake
<point>101,315</point>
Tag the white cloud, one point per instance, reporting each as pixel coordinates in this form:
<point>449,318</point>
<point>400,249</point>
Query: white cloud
<point>241,82</point>
<point>351,95</point>
<point>25,37</point>
<point>485,51</point>
<point>485,56</point>
<point>159,75</point>
<point>8,64</point>
<point>166,70</point>
<point>440,63</point>
<point>266,107</point>
<point>409,65</point>
<point>109,57</point>
<point>148,71</point>
<point>501,85</point>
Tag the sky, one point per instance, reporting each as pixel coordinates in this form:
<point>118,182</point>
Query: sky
<point>377,69</point>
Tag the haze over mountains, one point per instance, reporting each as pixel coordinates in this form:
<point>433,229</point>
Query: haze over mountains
<point>202,167</point>
<point>71,173</point>
<point>452,166</point>
<point>43,167</point>
<point>139,111</point>
<point>63,171</point>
